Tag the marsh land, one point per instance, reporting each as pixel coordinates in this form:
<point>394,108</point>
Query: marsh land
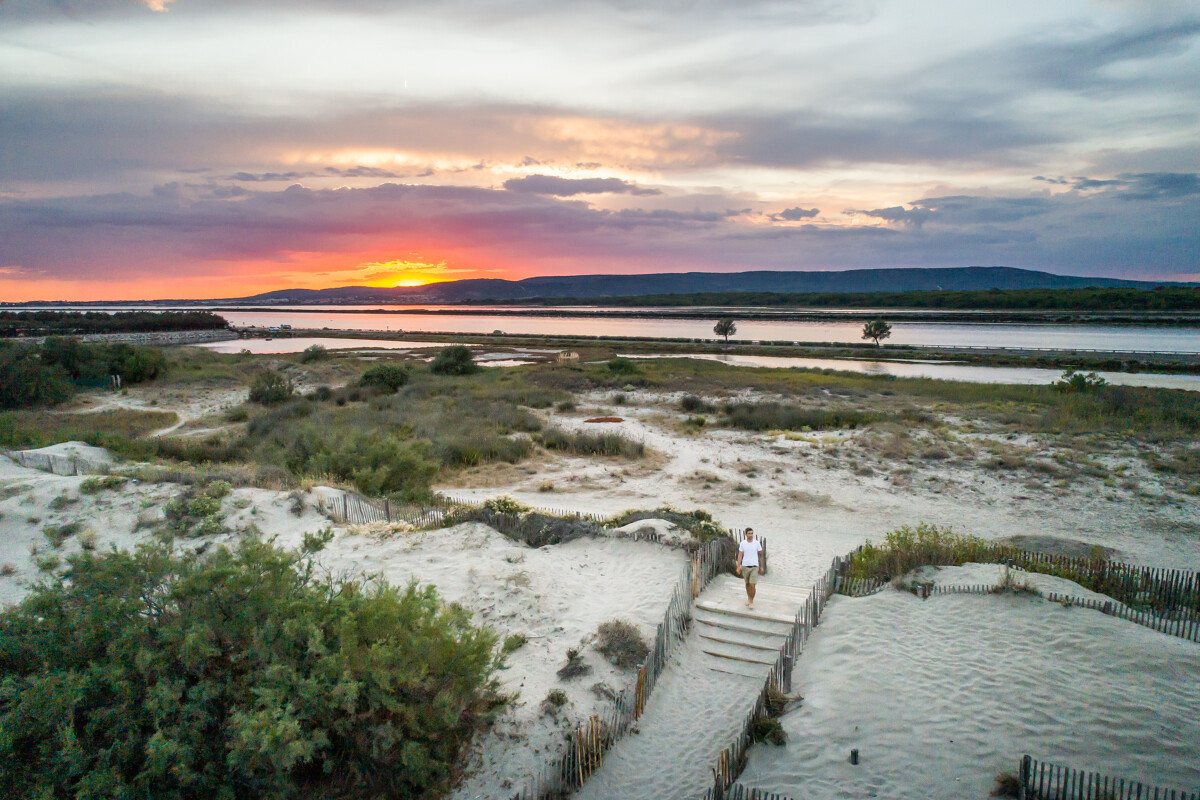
<point>818,461</point>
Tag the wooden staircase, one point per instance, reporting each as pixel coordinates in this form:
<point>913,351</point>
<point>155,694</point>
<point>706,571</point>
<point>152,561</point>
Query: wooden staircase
<point>742,641</point>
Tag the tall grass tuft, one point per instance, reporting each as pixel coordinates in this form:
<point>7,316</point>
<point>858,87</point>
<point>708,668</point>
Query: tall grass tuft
<point>592,444</point>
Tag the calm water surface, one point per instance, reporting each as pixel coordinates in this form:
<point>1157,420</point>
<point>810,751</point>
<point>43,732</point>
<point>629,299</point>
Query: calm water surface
<point>942,371</point>
<point>1065,337</point>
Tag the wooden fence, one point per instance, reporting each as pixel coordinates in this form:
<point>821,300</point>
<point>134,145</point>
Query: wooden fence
<point>732,759</point>
<point>588,743</point>
<point>739,792</point>
<point>1183,627</point>
<point>59,465</point>
<point>1041,781</point>
<point>1167,592</point>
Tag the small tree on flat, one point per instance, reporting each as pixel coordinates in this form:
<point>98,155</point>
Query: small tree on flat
<point>725,327</point>
<point>877,329</point>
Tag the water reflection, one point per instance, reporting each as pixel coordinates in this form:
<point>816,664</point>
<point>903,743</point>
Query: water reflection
<point>941,370</point>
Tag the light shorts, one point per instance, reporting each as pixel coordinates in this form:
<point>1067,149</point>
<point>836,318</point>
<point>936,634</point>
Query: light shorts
<point>750,575</point>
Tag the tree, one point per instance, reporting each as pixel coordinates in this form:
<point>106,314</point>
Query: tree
<point>877,329</point>
<point>237,674</point>
<point>389,377</point>
<point>453,360</point>
<point>725,327</point>
<point>270,387</point>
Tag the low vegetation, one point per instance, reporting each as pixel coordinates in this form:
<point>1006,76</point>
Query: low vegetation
<point>619,642</point>
<point>74,323</point>
<point>454,360</point>
<point>585,443</point>
<point>270,388</point>
<point>115,681</point>
<point>49,373</point>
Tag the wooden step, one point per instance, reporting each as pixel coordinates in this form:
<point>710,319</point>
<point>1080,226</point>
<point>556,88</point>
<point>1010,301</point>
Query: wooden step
<point>738,653</point>
<point>746,613</point>
<point>762,627</point>
<point>771,648</point>
<point>732,667</point>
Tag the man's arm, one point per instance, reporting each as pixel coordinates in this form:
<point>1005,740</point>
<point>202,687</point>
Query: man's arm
<point>737,561</point>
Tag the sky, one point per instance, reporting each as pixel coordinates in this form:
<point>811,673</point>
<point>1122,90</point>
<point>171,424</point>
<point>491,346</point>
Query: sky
<point>219,148</point>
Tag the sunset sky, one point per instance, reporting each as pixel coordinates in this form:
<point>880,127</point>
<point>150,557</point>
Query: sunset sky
<point>213,148</point>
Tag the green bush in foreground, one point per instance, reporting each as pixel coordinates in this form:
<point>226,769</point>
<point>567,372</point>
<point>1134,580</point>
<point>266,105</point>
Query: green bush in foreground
<point>269,388</point>
<point>235,675</point>
<point>453,360</point>
<point>908,548</point>
<point>385,376</point>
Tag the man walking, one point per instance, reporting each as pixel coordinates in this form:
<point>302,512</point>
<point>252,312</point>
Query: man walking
<point>747,564</point>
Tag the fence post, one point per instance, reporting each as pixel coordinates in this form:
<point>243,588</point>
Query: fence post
<point>1024,778</point>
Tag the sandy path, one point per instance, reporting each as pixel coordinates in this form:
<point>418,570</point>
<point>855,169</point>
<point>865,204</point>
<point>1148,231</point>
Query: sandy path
<point>939,696</point>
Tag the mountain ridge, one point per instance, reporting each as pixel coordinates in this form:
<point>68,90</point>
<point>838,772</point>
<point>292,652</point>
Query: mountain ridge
<point>599,286</point>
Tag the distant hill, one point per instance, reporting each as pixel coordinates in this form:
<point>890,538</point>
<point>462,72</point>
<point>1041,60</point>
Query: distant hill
<point>598,286</point>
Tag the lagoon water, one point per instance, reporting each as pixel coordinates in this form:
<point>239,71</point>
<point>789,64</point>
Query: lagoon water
<point>945,334</point>
<point>942,371</point>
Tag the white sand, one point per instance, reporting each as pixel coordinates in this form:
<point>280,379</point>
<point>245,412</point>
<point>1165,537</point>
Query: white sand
<point>941,695</point>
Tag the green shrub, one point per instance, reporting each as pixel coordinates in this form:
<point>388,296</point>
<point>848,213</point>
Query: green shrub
<point>62,500</point>
<point>101,484</point>
<point>453,360</point>
<point>58,534</point>
<point>218,489</point>
<point>155,674</point>
<point>505,505</point>
<point>592,444</point>
<point>1072,381</point>
<point>270,388</point>
<point>389,377</point>
<point>693,405</point>
<point>622,366</point>
<point>314,352</point>
<point>513,642</point>
<point>620,642</point>
<point>769,730</point>
<point>780,417</point>
<point>26,381</point>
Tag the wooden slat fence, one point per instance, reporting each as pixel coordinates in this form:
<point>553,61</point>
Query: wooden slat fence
<point>59,465</point>
<point>1167,592</point>
<point>1042,781</point>
<point>739,792</point>
<point>1183,627</point>
<point>588,743</point>
<point>732,759</point>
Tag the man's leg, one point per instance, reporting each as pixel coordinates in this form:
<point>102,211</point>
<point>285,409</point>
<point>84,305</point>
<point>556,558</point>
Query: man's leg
<point>750,591</point>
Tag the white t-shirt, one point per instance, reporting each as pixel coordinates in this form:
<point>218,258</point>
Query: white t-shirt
<point>748,552</point>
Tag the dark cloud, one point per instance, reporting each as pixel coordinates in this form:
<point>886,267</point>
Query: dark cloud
<point>568,187</point>
<point>1143,185</point>
<point>191,228</point>
<point>796,214</point>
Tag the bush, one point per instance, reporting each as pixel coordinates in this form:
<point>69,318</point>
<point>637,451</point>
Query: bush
<point>454,360</point>
<point>780,417</point>
<point>314,352</point>
<point>622,366</point>
<point>98,484</point>
<point>1072,381</point>
<point>270,388</point>
<point>769,730</point>
<point>620,642</point>
<point>574,667</point>
<point>694,405</point>
<point>154,674</point>
<point>513,642</point>
<point>699,522</point>
<point>25,381</point>
<point>591,444</point>
<point>389,377</point>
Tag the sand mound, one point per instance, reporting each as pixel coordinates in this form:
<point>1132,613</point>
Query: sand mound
<point>993,574</point>
<point>668,531</point>
<point>941,695</point>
